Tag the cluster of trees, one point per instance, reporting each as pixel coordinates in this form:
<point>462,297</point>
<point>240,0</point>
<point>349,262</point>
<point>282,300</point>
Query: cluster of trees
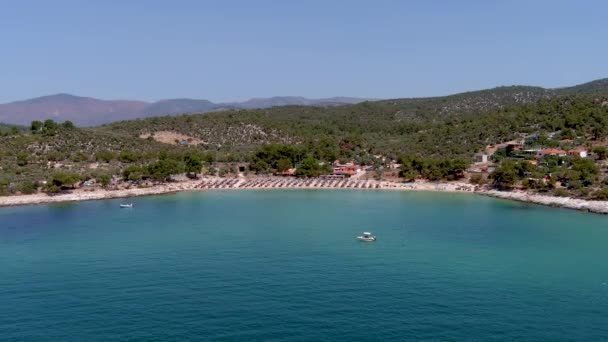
<point>413,167</point>
<point>129,156</point>
<point>49,127</point>
<point>577,175</point>
<point>160,170</point>
<point>276,157</point>
<point>57,181</point>
<point>26,187</point>
<point>280,157</point>
<point>312,167</point>
<point>9,130</point>
<point>165,167</point>
<point>601,152</point>
<point>5,186</point>
<point>62,180</point>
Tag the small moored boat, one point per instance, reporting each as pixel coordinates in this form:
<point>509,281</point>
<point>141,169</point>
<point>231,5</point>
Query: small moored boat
<point>367,237</point>
<point>128,205</point>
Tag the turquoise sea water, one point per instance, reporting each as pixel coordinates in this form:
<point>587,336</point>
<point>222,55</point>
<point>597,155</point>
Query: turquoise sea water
<point>285,266</point>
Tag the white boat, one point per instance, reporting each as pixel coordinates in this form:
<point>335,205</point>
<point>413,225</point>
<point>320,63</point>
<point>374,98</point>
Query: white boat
<point>367,237</point>
<point>129,205</point>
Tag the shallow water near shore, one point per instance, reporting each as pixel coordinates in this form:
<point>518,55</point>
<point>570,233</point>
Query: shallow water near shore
<point>284,265</point>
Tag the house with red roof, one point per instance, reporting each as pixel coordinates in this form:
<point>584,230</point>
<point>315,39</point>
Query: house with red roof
<point>288,172</point>
<point>349,169</point>
<point>578,152</point>
<point>546,152</point>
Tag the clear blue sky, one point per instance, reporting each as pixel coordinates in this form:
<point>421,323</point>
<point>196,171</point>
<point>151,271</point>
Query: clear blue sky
<point>232,50</point>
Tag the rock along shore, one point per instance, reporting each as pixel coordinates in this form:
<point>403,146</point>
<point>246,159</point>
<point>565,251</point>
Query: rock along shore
<point>599,207</point>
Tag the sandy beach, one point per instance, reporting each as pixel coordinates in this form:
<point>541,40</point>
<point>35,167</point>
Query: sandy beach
<point>228,184</point>
<point>294,183</point>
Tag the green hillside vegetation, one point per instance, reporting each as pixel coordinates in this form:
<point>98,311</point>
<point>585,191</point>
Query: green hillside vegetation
<point>471,103</point>
<point>6,129</point>
<point>434,138</point>
<point>375,128</point>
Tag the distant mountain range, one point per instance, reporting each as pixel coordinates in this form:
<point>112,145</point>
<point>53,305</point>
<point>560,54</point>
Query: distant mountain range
<point>87,111</point>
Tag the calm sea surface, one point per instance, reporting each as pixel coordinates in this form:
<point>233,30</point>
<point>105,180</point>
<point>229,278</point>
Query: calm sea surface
<point>285,266</point>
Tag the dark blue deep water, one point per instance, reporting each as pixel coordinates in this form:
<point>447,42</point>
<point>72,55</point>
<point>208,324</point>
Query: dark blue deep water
<point>285,266</point>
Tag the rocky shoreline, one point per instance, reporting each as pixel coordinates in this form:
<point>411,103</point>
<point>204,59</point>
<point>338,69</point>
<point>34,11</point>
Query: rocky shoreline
<point>84,196</point>
<point>600,207</point>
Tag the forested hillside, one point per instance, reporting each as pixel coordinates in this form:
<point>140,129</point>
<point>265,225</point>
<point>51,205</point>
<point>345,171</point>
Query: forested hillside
<point>379,128</point>
<point>437,130</point>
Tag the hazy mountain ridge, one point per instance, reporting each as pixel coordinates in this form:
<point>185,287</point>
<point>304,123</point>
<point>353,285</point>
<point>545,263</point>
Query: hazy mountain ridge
<point>294,100</point>
<point>176,106</point>
<point>87,111</point>
<point>61,107</point>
